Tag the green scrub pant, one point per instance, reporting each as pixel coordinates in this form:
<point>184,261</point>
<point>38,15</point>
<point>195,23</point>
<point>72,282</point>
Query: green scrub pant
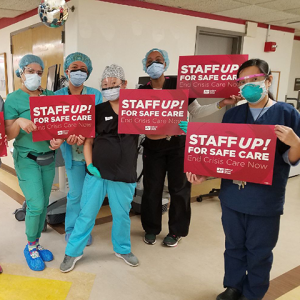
<point>35,182</point>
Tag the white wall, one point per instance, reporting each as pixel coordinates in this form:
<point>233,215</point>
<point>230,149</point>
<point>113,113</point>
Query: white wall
<point>111,33</point>
<point>294,69</point>
<point>278,60</point>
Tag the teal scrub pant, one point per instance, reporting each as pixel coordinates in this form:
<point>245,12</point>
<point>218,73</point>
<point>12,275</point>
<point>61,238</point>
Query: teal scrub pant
<point>35,182</point>
<point>120,195</point>
<point>76,177</point>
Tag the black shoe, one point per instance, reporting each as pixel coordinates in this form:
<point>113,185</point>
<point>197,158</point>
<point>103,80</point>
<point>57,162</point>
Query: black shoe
<point>229,294</point>
<point>150,238</point>
<point>171,240</point>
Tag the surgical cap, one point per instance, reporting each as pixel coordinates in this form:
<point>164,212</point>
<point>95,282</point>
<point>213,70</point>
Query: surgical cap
<point>78,56</point>
<point>113,71</point>
<point>162,52</point>
<point>27,60</point>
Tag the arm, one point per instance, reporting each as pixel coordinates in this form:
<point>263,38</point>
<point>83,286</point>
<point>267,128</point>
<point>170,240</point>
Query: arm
<point>12,127</point>
<point>87,150</point>
<point>200,111</point>
<point>289,137</point>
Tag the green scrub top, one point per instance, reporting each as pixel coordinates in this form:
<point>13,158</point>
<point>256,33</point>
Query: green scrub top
<point>17,106</point>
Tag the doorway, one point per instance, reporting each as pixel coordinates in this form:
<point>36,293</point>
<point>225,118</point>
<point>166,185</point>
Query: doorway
<point>39,40</point>
<point>215,42</point>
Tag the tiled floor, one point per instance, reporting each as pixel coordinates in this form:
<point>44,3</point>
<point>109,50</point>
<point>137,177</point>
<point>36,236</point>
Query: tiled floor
<point>191,271</point>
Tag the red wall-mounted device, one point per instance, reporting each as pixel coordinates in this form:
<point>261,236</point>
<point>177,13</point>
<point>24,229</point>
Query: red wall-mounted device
<point>270,46</point>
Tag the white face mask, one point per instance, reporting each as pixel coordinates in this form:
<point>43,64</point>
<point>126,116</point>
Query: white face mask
<point>32,81</point>
<point>111,94</point>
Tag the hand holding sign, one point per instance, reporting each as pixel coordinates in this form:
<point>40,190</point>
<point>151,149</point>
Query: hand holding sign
<point>243,152</point>
<point>152,111</point>
<point>60,117</point>
<point>27,125</point>
<point>195,179</point>
<point>209,76</point>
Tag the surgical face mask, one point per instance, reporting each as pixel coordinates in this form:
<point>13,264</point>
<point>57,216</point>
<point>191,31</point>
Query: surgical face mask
<point>155,70</point>
<point>111,94</point>
<point>254,92</point>
<point>77,77</point>
<point>32,81</point>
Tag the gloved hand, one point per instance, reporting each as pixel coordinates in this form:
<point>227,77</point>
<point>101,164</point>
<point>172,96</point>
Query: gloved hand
<point>93,170</point>
<point>183,126</point>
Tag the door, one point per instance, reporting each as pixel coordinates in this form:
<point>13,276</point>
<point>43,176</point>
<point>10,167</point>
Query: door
<point>42,41</point>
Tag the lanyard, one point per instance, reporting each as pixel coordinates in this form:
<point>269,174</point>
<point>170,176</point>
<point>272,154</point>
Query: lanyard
<point>259,113</point>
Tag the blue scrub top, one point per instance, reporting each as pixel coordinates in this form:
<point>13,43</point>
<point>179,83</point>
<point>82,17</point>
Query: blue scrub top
<point>259,199</point>
<point>66,149</point>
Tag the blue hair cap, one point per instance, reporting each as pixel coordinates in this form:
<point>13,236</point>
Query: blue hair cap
<point>27,60</point>
<point>162,52</point>
<point>78,56</point>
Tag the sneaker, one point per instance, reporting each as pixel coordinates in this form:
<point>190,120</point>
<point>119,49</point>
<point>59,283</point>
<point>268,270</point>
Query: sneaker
<point>1,270</point>
<point>68,263</point>
<point>150,238</point>
<point>229,294</point>
<point>45,254</point>
<point>89,242</point>
<point>171,240</point>
<point>33,259</point>
<point>130,259</point>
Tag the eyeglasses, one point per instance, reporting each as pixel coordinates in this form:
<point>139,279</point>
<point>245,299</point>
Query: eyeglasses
<point>158,60</point>
<point>251,78</point>
<point>32,71</point>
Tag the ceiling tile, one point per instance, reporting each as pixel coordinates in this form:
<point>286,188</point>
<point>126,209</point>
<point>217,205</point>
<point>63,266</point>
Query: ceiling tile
<point>295,11</point>
<point>214,6</point>
<point>256,13</point>
<point>173,3</point>
<point>254,1</point>
<point>281,5</point>
<point>7,13</point>
<point>24,5</point>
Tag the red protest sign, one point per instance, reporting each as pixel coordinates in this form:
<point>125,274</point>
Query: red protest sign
<point>243,152</point>
<point>3,149</point>
<point>209,76</point>
<point>152,111</point>
<point>62,116</point>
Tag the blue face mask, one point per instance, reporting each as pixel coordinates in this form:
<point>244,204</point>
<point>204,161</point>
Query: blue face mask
<point>32,82</point>
<point>155,70</point>
<point>254,92</point>
<point>77,77</point>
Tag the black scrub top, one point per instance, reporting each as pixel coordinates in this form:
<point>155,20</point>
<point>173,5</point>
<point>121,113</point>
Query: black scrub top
<point>114,155</point>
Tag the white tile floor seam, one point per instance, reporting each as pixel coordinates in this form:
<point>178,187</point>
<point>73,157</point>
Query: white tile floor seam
<point>191,271</point>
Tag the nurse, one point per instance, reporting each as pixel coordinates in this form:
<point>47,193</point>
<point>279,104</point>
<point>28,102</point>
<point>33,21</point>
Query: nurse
<point>34,162</point>
<point>250,211</point>
<point>111,160</point>
<point>77,68</point>
<point>165,154</point>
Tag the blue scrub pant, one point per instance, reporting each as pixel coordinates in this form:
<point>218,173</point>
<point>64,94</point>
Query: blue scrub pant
<point>35,182</point>
<point>76,177</point>
<point>120,195</point>
<point>248,256</point>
